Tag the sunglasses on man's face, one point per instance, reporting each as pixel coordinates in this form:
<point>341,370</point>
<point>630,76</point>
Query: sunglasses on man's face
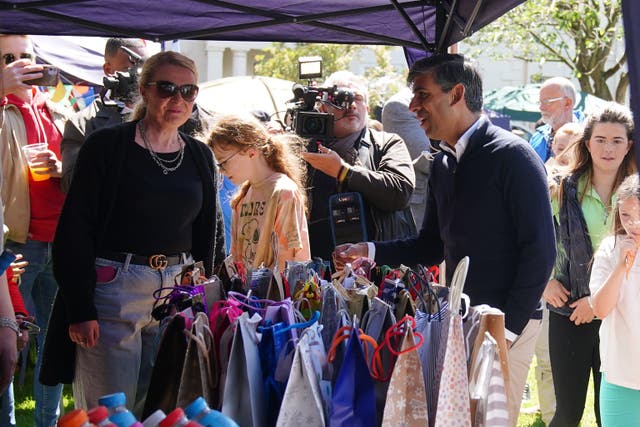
<point>168,89</point>
<point>8,58</point>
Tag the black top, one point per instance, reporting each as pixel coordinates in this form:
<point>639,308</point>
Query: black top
<point>154,212</point>
<point>98,180</point>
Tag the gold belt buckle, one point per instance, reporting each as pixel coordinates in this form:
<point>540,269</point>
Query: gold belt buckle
<point>158,262</point>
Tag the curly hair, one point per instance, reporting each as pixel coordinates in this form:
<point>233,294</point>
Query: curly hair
<point>280,151</point>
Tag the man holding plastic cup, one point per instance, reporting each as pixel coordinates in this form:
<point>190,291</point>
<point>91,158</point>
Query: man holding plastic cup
<point>32,201</point>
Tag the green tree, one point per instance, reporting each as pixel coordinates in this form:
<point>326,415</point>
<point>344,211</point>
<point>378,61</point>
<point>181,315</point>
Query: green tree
<point>577,33</point>
<point>281,59</point>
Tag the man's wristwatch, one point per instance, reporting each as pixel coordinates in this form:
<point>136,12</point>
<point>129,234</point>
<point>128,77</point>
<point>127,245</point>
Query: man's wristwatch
<point>6,322</point>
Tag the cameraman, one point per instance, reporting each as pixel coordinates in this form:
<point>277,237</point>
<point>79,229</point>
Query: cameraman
<point>375,164</point>
<point>102,112</point>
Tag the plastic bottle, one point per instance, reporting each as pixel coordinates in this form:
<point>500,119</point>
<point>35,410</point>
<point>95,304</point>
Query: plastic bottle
<point>199,411</point>
<point>75,418</point>
<point>175,418</point>
<point>116,402</point>
<point>100,417</point>
<point>123,419</point>
<point>154,419</point>
<point>116,405</point>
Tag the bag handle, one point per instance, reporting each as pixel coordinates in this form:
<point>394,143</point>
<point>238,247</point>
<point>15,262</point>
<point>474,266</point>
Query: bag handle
<point>457,285</point>
<point>399,329</point>
<point>340,336</point>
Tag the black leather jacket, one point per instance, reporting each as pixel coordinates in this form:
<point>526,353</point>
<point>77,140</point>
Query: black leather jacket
<point>575,252</point>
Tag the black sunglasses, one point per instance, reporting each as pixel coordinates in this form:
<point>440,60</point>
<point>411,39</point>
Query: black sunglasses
<point>169,89</point>
<point>8,58</point>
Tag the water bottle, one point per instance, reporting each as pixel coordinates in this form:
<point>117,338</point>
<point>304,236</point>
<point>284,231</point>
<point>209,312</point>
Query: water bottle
<point>123,419</point>
<point>116,402</point>
<point>154,419</point>
<point>99,416</point>
<point>75,418</point>
<point>175,418</point>
<point>116,405</point>
<point>199,411</point>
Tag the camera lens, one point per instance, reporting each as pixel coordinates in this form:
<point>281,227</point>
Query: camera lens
<point>314,126</point>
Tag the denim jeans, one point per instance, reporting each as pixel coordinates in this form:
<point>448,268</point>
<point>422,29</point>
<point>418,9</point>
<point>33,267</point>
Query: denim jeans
<point>38,288</point>
<point>122,359</point>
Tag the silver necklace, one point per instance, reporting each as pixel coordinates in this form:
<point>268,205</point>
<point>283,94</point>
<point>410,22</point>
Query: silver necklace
<point>164,164</point>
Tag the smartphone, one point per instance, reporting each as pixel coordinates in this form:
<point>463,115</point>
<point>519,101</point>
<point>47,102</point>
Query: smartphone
<point>50,76</point>
<point>347,218</point>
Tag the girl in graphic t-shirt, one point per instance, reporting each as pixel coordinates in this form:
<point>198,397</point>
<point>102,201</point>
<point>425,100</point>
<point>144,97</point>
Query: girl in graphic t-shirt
<point>615,290</point>
<point>270,198</point>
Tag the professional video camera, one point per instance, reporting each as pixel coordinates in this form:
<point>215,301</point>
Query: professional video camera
<point>304,118</point>
<point>122,88</point>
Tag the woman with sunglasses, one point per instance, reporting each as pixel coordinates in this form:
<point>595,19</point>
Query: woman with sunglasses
<point>142,204</point>
<point>270,199</point>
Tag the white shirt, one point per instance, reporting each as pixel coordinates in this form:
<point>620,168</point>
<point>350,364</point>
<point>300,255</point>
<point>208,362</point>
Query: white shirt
<point>620,330</point>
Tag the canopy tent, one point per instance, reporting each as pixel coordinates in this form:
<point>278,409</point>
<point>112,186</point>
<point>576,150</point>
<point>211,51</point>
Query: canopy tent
<point>82,59</point>
<point>521,103</point>
<point>424,25</point>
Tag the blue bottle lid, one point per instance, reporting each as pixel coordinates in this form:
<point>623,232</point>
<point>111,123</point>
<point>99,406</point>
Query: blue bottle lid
<point>123,419</point>
<point>216,419</point>
<point>196,407</point>
<point>113,400</point>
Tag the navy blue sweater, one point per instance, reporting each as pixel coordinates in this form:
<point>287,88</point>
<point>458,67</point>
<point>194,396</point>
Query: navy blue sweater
<point>494,207</point>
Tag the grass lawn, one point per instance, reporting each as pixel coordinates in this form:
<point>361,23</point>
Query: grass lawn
<point>25,404</point>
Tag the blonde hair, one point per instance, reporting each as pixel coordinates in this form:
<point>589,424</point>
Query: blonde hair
<point>280,151</point>
<point>148,73</point>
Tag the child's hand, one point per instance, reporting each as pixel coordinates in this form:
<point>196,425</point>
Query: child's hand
<point>628,251</point>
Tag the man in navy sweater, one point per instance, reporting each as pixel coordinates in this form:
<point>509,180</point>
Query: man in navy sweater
<point>488,199</point>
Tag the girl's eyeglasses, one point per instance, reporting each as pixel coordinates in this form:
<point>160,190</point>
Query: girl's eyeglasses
<point>222,163</point>
<point>8,58</point>
<point>168,89</point>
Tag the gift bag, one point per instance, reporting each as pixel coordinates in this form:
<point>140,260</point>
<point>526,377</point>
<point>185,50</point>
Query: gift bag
<point>332,304</point>
<point>453,396</point>
<point>406,404</point>
<point>487,386</point>
<point>353,403</point>
<point>244,399</point>
<point>199,375</point>
<point>305,401</point>
<point>167,369</point>
<point>375,323</point>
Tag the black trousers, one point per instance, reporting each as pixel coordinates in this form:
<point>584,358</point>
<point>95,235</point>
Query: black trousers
<point>574,352</point>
